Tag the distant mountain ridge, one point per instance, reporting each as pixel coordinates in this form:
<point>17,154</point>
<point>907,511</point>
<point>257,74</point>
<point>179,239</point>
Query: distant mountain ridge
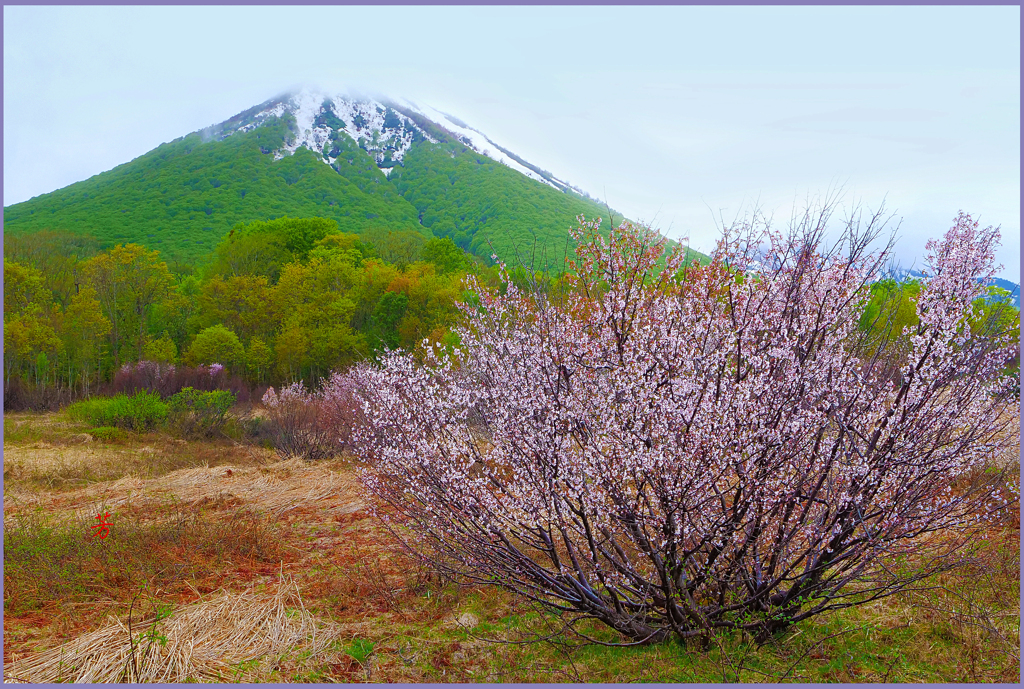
<point>1013,288</point>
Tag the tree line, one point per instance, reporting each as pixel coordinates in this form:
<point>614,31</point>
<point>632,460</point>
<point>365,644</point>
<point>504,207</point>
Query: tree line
<point>278,301</point>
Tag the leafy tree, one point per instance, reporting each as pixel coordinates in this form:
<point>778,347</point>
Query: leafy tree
<point>432,305</point>
<point>82,331</point>
<point>290,348</point>
<point>386,315</point>
<point>251,254</point>
<point>161,350</point>
<point>28,322</point>
<point>315,303</point>
<point>297,235</point>
<point>258,359</point>
<point>891,308</point>
<point>56,255</point>
<point>240,302</point>
<point>342,245</point>
<point>216,345</point>
<point>995,312</point>
<point>445,255</point>
<point>23,285</point>
<point>129,281</point>
<point>179,313</point>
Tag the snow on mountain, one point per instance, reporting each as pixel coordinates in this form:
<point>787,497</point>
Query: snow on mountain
<point>756,264</point>
<point>479,142</point>
<point>381,128</point>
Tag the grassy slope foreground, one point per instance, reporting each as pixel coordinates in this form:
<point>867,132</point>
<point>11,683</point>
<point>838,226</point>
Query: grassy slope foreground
<point>309,587</point>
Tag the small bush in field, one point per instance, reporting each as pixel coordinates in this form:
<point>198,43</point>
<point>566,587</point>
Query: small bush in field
<point>195,413</point>
<point>106,434</point>
<point>143,411</point>
<point>93,411</point>
<point>317,424</point>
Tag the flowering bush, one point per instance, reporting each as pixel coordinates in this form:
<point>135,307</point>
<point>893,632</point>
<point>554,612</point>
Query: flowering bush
<point>168,379</point>
<point>681,449</point>
<point>149,376</point>
<point>316,424</point>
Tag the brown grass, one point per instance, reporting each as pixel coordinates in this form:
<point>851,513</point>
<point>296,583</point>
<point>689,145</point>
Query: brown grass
<point>383,616</point>
<point>52,455</point>
<point>230,636</point>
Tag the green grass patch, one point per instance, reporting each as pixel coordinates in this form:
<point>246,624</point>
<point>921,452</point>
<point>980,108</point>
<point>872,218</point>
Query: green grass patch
<point>107,434</point>
<point>141,412</point>
<point>21,432</point>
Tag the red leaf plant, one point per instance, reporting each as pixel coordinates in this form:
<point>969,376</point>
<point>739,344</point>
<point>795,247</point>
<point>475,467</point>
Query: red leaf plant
<point>678,450</point>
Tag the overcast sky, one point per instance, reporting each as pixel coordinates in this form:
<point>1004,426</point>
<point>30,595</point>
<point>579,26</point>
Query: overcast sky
<point>674,115</point>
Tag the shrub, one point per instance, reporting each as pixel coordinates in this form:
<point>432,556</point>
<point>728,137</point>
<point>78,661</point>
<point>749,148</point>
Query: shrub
<point>677,450</point>
<point>107,434</point>
<point>318,424</point>
<point>143,411</point>
<point>148,376</point>
<point>196,414</point>
<point>93,411</point>
<point>167,380</point>
<point>216,344</point>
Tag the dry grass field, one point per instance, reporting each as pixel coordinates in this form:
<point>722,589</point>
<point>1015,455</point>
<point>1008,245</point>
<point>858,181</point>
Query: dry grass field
<point>225,562</point>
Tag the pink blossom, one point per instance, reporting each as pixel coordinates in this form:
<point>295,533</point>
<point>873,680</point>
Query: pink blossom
<point>676,448</point>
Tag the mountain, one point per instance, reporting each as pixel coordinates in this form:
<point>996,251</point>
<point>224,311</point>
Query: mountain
<point>900,273</point>
<point>370,164</point>
<point>1012,287</point>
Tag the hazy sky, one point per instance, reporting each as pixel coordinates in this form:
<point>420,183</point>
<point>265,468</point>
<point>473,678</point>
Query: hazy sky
<point>674,115</point>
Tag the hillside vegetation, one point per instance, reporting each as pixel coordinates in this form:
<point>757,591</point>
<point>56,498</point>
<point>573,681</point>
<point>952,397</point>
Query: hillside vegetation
<point>486,207</point>
<point>184,196</point>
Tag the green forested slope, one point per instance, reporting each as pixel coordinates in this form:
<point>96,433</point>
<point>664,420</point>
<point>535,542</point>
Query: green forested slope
<point>183,196</point>
<point>481,204</point>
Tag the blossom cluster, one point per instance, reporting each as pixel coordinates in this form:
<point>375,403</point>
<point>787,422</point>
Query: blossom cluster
<point>316,423</point>
<point>674,448</point>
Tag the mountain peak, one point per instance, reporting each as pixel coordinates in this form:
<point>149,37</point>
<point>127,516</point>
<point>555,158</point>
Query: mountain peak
<point>374,165</point>
<point>382,127</point>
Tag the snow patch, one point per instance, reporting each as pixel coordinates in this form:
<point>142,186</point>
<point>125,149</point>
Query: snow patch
<point>384,133</point>
<point>479,142</point>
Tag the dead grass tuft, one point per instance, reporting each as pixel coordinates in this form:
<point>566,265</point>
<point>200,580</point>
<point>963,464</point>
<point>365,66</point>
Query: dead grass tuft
<point>232,636</point>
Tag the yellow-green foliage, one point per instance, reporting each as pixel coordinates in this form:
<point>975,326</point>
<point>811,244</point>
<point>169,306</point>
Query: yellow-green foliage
<point>891,307</point>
